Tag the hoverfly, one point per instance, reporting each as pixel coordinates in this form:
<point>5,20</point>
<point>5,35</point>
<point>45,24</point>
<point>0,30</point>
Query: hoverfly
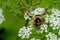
<point>38,19</point>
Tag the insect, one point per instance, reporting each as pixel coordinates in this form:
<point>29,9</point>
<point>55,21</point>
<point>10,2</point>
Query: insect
<point>37,19</point>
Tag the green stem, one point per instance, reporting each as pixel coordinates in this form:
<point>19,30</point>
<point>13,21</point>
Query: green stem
<point>26,22</point>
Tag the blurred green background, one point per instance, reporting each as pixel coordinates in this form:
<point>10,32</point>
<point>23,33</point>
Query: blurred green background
<point>12,11</point>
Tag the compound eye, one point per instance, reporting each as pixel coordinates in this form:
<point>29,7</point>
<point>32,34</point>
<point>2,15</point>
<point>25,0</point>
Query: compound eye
<point>37,20</point>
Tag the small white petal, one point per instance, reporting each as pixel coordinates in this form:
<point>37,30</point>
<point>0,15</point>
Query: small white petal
<point>32,39</point>
<point>58,38</point>
<point>30,32</point>
<point>41,31</point>
<point>48,39</point>
<point>54,28</point>
<point>57,27</point>
<point>59,32</point>
<point>19,35</point>
<point>46,31</point>
<point>27,36</point>
<point>51,25</point>
<point>1,16</point>
<point>23,36</point>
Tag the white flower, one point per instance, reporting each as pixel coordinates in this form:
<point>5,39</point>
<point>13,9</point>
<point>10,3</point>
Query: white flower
<point>58,38</point>
<point>51,36</point>
<point>47,36</point>
<point>34,39</point>
<point>30,27</point>
<point>46,30</point>
<point>56,11</point>
<point>57,27</point>
<point>46,18</point>
<point>23,36</point>
<point>54,28</point>
<point>1,16</point>
<point>48,39</point>
<point>27,36</point>
<point>59,32</point>
<point>26,16</point>
<point>53,19</point>
<point>51,25</point>
<point>43,28</point>
<point>37,11</point>
<point>41,31</point>
<point>19,35</point>
<point>25,32</point>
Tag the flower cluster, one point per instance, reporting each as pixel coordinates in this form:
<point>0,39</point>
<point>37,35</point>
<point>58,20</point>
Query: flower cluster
<point>43,28</point>
<point>26,16</point>
<point>53,19</point>
<point>37,11</point>
<point>51,36</point>
<point>25,32</point>
<point>1,16</point>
